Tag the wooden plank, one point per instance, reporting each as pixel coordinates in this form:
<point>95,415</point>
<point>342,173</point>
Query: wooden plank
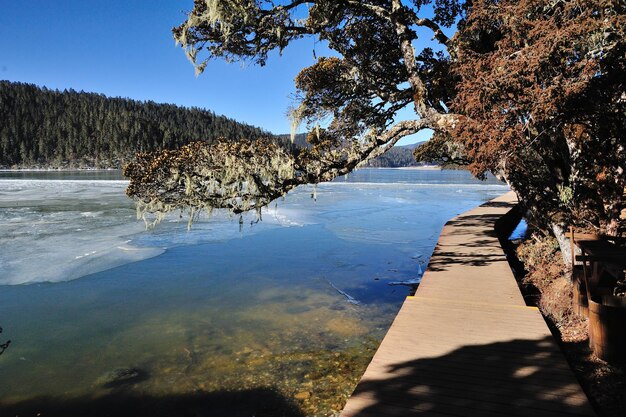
<point>466,344</point>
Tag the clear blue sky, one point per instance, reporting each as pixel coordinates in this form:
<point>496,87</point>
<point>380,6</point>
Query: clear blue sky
<point>125,48</point>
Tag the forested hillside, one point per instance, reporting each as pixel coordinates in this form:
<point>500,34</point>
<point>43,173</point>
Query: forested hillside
<point>398,156</point>
<point>48,128</point>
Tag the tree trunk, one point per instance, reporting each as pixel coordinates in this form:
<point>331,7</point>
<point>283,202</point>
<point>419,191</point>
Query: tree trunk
<point>564,244</point>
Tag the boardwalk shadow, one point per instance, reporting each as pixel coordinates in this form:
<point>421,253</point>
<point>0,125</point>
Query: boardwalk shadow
<point>492,247</point>
<point>463,222</point>
<point>516,378</point>
<point>497,204</point>
<point>504,223</point>
<point>244,403</point>
<point>443,260</point>
<point>466,225</point>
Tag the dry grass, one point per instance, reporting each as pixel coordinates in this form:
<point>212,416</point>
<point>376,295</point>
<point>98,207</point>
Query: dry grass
<point>547,275</point>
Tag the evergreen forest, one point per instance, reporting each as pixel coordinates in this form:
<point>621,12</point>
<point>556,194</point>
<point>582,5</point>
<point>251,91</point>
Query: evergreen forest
<point>398,156</point>
<point>43,128</point>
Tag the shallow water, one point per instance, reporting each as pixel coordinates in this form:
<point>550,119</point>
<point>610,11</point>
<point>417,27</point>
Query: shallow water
<point>215,308</point>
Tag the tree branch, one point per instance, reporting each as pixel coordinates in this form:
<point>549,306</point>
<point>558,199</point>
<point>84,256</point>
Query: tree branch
<point>420,93</point>
<point>377,10</point>
<point>439,35</point>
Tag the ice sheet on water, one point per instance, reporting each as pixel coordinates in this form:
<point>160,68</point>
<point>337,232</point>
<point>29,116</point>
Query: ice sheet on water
<point>62,229</point>
<point>59,230</point>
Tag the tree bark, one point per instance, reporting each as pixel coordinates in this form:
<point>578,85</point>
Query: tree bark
<point>564,244</point>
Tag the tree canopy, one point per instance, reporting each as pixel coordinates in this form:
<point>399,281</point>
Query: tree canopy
<point>531,90</point>
<point>542,91</point>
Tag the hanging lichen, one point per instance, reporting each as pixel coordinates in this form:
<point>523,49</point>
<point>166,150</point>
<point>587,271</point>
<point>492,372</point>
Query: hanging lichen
<point>296,116</point>
<point>238,176</point>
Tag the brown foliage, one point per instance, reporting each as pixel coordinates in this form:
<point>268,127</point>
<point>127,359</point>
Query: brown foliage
<point>542,87</point>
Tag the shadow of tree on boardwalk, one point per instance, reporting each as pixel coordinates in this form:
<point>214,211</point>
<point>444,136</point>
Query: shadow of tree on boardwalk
<point>462,246</point>
<point>463,222</point>
<point>498,204</point>
<point>444,260</point>
<point>515,378</point>
<point>246,403</point>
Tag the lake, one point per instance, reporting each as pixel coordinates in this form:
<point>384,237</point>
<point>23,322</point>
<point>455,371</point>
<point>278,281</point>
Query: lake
<point>278,317</point>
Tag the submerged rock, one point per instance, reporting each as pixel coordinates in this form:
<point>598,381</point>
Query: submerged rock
<point>302,395</point>
<point>122,376</point>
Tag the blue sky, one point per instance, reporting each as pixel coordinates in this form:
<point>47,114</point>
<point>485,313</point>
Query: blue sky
<point>125,48</point>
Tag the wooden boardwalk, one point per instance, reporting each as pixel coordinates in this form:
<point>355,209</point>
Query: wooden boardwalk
<point>466,344</point>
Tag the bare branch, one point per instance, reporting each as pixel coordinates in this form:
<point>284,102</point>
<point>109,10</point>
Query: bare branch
<point>439,35</point>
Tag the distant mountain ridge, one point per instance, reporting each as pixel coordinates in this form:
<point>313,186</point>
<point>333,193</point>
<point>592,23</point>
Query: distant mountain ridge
<point>47,128</point>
